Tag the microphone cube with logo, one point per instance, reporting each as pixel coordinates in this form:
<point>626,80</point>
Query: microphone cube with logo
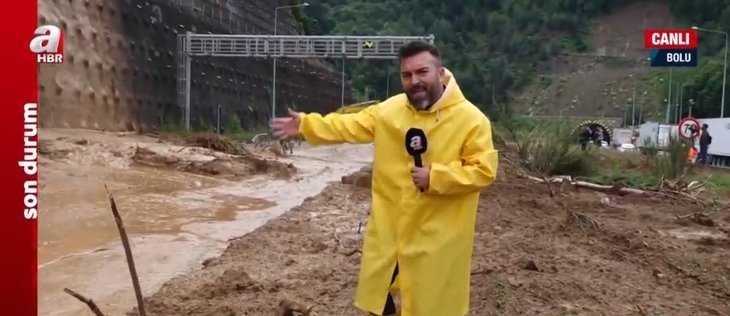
<point>416,144</point>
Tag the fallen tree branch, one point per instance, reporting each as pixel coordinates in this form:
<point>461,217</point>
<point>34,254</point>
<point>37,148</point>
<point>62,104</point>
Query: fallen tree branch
<point>89,302</point>
<point>699,218</point>
<point>127,252</point>
<point>581,220</point>
<point>588,185</point>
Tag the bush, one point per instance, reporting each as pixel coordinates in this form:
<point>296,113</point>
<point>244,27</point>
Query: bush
<point>618,174</point>
<point>649,150</point>
<point>551,149</point>
<point>234,126</point>
<point>673,162</point>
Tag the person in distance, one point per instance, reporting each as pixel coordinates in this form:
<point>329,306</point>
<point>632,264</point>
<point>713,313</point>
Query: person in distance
<point>705,141</point>
<point>425,196</point>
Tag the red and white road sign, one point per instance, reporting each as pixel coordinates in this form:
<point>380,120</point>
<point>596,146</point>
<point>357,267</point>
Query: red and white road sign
<point>689,128</point>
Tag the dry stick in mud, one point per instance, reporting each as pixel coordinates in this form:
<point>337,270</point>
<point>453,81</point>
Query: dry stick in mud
<point>127,252</point>
<point>89,302</point>
<point>548,186</point>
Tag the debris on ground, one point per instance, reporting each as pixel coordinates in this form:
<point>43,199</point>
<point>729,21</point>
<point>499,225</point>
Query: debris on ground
<point>587,251</point>
<point>228,167</point>
<point>216,142</point>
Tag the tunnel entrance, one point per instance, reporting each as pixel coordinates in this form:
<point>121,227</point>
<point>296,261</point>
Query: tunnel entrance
<point>593,132</point>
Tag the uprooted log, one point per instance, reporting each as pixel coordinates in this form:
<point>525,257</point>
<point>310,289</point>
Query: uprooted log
<point>615,189</point>
<point>672,188</point>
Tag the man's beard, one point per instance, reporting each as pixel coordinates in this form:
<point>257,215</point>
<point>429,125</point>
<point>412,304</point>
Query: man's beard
<point>427,100</point>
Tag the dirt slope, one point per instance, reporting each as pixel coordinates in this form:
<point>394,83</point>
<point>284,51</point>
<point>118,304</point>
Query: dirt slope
<point>581,252</point>
<point>601,82</point>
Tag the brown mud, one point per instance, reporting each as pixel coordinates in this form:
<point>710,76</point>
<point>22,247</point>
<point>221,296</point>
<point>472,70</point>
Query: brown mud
<point>232,168</point>
<point>581,252</point>
<point>181,202</point>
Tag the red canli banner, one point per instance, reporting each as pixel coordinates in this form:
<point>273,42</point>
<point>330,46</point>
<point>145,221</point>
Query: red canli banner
<point>655,39</point>
<point>19,195</point>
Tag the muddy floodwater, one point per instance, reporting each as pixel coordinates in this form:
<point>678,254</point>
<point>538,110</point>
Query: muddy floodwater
<point>175,219</point>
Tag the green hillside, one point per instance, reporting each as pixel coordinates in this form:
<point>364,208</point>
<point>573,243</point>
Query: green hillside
<point>498,46</point>
<point>704,83</point>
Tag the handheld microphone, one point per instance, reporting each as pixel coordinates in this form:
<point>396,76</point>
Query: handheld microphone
<point>416,145</point>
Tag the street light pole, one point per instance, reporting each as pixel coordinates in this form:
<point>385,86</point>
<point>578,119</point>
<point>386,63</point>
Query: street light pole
<point>676,103</point>
<point>724,79</point>
<point>273,84</point>
<point>724,71</point>
<point>633,110</point>
<point>669,96</point>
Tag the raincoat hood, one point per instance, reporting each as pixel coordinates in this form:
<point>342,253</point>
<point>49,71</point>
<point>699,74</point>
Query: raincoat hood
<point>452,94</point>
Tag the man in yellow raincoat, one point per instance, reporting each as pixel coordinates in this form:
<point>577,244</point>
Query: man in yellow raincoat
<point>421,225</point>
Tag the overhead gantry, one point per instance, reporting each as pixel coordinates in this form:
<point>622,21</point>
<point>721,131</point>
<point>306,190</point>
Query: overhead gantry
<point>279,46</point>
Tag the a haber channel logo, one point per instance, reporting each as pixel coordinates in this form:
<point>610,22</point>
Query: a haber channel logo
<point>48,44</point>
<point>671,48</point>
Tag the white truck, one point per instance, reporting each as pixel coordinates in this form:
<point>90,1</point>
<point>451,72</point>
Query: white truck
<point>659,135</point>
<point>719,150</point>
<point>656,134</point>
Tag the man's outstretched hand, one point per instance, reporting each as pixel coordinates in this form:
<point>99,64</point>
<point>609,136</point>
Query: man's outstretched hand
<point>286,127</point>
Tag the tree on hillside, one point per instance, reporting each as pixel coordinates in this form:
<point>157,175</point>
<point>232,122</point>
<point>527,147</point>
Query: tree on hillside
<point>496,46</point>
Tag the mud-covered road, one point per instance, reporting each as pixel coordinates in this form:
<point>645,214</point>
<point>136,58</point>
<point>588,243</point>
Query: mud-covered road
<point>576,253</point>
<point>538,250</point>
<point>176,219</point>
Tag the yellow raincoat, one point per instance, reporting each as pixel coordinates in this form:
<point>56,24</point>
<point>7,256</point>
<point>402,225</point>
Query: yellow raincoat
<point>430,234</point>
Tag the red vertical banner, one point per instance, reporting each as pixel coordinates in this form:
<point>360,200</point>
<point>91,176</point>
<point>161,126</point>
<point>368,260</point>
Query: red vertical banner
<point>18,161</point>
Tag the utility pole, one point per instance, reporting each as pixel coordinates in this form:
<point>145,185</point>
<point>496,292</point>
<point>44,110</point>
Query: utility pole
<point>633,110</point>
<point>676,104</point>
<point>669,96</point>
<point>273,84</point>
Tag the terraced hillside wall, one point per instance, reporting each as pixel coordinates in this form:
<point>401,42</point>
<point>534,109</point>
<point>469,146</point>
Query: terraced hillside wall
<point>119,71</point>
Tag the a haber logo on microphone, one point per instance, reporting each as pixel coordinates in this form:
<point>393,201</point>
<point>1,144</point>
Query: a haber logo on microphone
<point>416,143</point>
<point>671,48</point>
<point>48,44</point>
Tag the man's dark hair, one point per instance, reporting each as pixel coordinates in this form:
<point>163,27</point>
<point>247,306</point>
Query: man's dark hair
<point>417,47</point>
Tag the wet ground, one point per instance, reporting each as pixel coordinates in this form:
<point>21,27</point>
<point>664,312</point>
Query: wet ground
<point>176,219</point>
<point>208,244</point>
<point>576,253</point>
